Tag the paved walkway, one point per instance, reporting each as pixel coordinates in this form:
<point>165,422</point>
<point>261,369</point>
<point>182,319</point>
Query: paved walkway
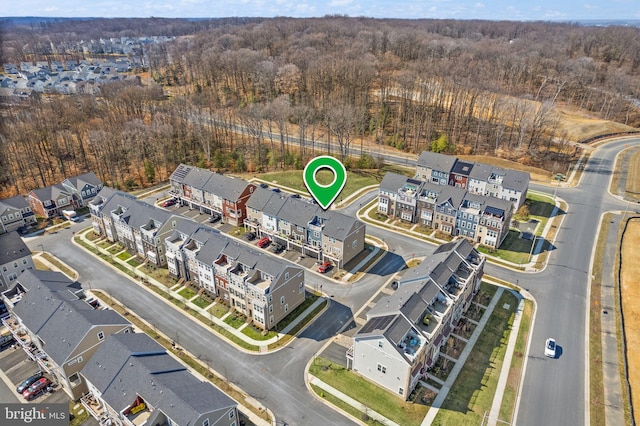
<point>613,406</point>
<point>494,414</point>
<point>444,391</point>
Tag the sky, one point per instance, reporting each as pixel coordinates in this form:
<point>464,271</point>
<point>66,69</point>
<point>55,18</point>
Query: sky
<point>513,10</point>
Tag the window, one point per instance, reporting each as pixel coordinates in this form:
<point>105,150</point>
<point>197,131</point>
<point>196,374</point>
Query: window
<point>270,308</point>
<point>100,335</point>
<point>24,261</point>
<point>380,344</point>
<point>382,369</point>
<point>232,414</point>
<point>400,391</point>
<point>286,307</point>
<point>79,359</point>
<point>286,275</point>
<point>74,379</point>
<point>282,300</point>
<point>354,243</point>
<point>271,319</point>
<point>205,422</point>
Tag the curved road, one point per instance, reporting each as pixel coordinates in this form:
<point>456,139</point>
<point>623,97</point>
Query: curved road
<point>554,391</point>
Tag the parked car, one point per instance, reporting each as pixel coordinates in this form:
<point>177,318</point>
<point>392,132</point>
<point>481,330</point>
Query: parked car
<point>264,185</point>
<point>36,388</point>
<point>324,267</point>
<point>295,195</point>
<point>250,236</point>
<point>275,189</point>
<point>277,248</point>
<point>264,242</point>
<point>29,381</point>
<point>214,218</point>
<point>169,202</point>
<point>550,348</point>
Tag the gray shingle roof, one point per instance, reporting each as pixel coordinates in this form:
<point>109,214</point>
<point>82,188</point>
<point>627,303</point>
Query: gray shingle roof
<point>180,173</point>
<point>17,202</point>
<point>516,180</point>
<point>51,309</point>
<point>12,248</point>
<point>226,187</point>
<point>128,365</point>
<point>392,182</point>
<point>86,178</point>
<point>437,161</point>
<point>338,225</point>
<point>259,198</point>
<point>197,177</point>
<point>50,192</point>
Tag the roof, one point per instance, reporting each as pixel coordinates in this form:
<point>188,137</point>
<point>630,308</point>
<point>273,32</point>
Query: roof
<point>128,365</point>
<point>17,202</point>
<point>180,173</point>
<point>453,194</point>
<point>52,192</point>
<point>51,308</point>
<point>436,161</point>
<point>197,178</point>
<point>516,180</point>
<point>462,168</point>
<point>80,181</point>
<point>338,225</point>
<point>12,248</point>
<point>392,182</point>
<point>226,187</point>
<point>259,198</point>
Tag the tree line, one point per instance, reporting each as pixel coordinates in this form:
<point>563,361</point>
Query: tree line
<point>465,87</point>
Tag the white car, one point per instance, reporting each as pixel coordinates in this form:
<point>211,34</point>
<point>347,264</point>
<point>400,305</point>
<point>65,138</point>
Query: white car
<point>550,348</point>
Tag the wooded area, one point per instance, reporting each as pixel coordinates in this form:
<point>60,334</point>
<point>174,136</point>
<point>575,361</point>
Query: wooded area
<point>463,87</point>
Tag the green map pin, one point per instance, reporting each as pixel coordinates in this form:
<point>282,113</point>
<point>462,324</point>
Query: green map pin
<point>325,195</point>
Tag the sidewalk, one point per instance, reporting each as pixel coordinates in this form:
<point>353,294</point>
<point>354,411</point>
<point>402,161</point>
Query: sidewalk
<point>173,292</point>
<point>346,398</point>
<point>494,414</point>
<point>442,394</point>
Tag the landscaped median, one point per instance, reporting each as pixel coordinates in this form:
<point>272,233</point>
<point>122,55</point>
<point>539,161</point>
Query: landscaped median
<point>472,392</point>
<point>212,316</point>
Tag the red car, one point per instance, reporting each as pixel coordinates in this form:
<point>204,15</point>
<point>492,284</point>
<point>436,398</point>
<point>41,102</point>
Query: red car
<point>169,202</point>
<point>264,242</point>
<point>324,267</point>
<point>34,390</point>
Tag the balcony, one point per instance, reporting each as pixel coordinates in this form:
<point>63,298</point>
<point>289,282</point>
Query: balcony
<point>411,344</point>
<point>94,408</point>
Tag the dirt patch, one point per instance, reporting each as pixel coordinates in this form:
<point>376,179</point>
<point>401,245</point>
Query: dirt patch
<point>630,290</point>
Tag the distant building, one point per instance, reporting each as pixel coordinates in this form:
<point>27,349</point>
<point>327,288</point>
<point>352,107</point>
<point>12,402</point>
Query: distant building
<point>15,258</point>
<point>477,178</point>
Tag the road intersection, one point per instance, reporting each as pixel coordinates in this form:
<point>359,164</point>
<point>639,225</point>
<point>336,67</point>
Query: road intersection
<point>554,392</point>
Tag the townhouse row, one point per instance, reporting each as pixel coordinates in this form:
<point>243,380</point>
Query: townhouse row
<point>477,178</point>
<point>449,209</point>
<point>93,354</point>
<point>263,288</point>
<point>72,193</point>
<point>405,332</point>
<point>294,222</point>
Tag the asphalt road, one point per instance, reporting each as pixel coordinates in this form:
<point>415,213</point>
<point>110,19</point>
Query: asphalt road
<point>553,391</point>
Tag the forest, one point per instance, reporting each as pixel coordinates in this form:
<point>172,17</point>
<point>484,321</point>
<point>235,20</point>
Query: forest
<point>253,95</point>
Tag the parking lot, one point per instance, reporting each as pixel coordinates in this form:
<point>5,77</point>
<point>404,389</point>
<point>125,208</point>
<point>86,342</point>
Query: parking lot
<point>291,255</point>
<point>18,366</point>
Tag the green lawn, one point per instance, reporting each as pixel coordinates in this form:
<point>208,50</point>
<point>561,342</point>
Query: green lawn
<point>115,248</point>
<point>187,293</point>
<point>235,320</point>
<point>472,393</point>
<point>256,334</point>
<point>124,256</point>
<point>356,179</point>
<point>375,397</point>
<point>202,302</point>
<point>513,249</point>
<point>344,406</point>
<point>218,310</point>
<point>134,262</point>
